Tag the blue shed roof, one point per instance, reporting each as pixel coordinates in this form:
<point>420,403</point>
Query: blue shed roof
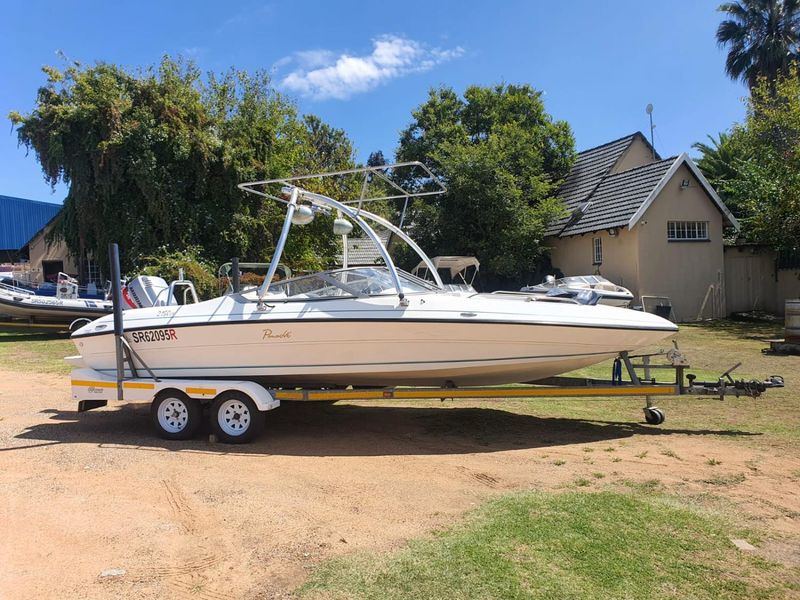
<point>21,219</point>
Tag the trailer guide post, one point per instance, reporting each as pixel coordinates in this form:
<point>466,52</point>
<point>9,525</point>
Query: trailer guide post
<point>116,296</point>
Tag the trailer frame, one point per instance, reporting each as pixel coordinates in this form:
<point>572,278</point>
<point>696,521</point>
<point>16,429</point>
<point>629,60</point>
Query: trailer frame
<point>248,400</point>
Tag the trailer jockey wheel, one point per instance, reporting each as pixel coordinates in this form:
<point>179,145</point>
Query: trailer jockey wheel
<point>175,415</point>
<point>654,416</point>
<point>235,418</point>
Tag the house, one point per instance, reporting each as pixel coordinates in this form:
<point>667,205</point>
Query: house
<point>650,224</point>
<point>24,225</point>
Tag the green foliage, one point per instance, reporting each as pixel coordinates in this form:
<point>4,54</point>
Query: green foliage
<point>768,184</point>
<point>168,264</point>
<point>719,161</point>
<point>756,167</point>
<point>762,37</point>
<point>501,157</point>
<point>153,159</point>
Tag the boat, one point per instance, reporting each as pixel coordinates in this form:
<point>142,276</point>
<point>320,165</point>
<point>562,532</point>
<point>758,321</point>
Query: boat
<point>583,288</point>
<point>68,308</point>
<point>364,326</point>
<point>64,286</point>
<point>61,303</point>
<point>458,273</point>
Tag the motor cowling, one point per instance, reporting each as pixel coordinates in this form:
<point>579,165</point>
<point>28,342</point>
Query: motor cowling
<point>145,291</point>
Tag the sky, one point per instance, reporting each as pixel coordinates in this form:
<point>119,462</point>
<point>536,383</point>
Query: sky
<point>364,66</point>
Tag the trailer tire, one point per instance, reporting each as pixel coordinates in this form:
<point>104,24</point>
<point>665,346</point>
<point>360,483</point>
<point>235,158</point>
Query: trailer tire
<point>175,415</point>
<point>235,418</point>
<point>654,416</point>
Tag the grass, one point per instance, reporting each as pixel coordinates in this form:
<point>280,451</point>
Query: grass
<point>725,480</point>
<point>26,351</point>
<point>567,546</point>
<point>671,454</point>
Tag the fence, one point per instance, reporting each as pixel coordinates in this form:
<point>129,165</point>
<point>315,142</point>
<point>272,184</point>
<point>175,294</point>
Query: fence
<point>757,279</point>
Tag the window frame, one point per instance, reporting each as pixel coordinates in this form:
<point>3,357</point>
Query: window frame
<point>687,231</point>
<point>597,251</point>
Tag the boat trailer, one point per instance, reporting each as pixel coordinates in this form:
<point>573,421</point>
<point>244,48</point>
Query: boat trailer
<point>237,407</point>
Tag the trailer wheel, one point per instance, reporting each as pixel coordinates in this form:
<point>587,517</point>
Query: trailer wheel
<point>235,418</point>
<point>175,415</point>
<point>654,416</point>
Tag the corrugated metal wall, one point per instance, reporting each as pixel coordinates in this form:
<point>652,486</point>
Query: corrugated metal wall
<point>21,219</point>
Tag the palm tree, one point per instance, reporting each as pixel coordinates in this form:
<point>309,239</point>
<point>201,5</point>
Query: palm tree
<point>719,161</point>
<point>762,38</point>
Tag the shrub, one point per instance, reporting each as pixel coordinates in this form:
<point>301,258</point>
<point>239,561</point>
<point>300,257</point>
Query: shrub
<point>167,264</point>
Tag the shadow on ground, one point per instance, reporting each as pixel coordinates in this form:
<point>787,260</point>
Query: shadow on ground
<point>305,429</point>
<point>7,336</point>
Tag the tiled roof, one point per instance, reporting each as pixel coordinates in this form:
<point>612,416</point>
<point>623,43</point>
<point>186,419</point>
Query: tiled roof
<point>617,198</point>
<point>362,251</point>
<point>589,168</point>
<point>587,177</point>
<point>21,219</point>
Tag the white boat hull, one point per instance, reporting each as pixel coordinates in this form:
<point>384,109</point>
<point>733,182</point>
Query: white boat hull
<point>50,309</point>
<point>437,340</point>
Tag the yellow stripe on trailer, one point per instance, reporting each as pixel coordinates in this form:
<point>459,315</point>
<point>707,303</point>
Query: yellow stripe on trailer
<point>131,385</point>
<point>198,391</point>
<point>519,392</point>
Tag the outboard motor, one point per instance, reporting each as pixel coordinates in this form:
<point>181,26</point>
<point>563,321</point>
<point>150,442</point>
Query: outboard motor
<point>145,291</point>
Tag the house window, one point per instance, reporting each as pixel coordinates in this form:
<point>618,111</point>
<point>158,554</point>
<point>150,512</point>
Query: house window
<point>681,231</point>
<point>597,251</point>
<point>93,273</point>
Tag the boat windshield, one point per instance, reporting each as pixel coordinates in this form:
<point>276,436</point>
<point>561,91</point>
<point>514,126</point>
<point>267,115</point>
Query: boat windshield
<point>342,283</point>
<point>580,280</point>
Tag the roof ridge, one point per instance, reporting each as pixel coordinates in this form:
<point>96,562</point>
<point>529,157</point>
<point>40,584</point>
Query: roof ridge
<point>630,135</point>
<point>645,166</point>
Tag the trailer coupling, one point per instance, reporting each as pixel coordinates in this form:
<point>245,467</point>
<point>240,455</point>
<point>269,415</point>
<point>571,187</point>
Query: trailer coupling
<point>727,385</point>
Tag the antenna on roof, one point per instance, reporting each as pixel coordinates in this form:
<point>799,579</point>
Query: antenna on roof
<point>649,110</point>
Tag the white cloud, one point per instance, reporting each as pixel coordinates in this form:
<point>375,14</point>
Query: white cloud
<point>321,74</point>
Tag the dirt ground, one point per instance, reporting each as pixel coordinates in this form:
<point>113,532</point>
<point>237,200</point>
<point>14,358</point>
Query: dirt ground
<point>81,494</point>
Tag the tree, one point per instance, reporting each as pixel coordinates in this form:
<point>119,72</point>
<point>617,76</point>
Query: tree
<point>768,178</point>
<point>720,163</point>
<point>762,37</point>
<point>153,158</point>
<point>502,158</point>
<point>376,159</point>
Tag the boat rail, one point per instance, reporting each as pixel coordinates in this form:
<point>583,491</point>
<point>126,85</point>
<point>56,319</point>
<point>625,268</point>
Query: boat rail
<point>13,289</point>
<point>303,204</point>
